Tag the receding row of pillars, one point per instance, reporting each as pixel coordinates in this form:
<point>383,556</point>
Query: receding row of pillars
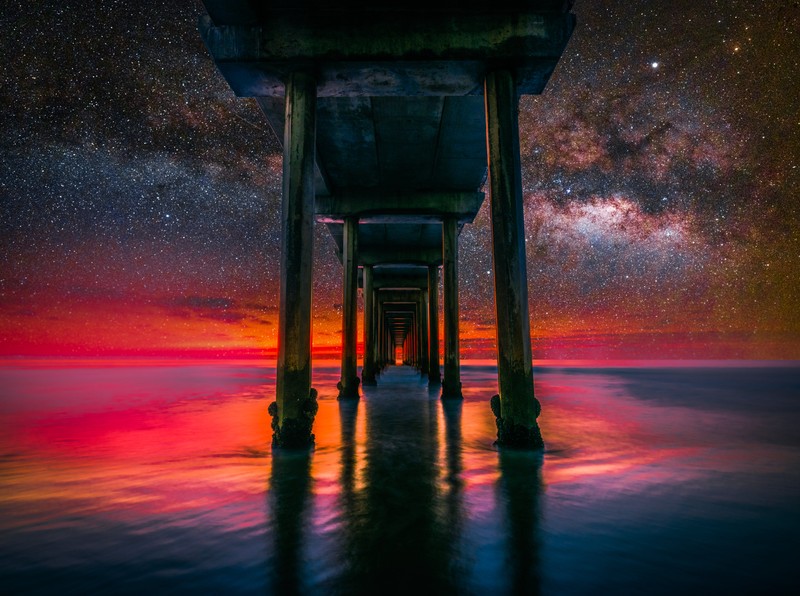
<point>410,320</point>
<point>515,406</point>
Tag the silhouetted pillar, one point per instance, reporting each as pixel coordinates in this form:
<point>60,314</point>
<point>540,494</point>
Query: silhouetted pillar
<point>407,344</point>
<point>384,333</point>
<point>451,386</point>
<point>423,332</point>
<point>433,324</point>
<point>348,385</point>
<point>378,333</point>
<point>415,335</point>
<point>516,408</point>
<point>415,338</point>
<point>391,344</point>
<point>411,343</point>
<point>389,340</point>
<point>295,406</point>
<point>368,370</point>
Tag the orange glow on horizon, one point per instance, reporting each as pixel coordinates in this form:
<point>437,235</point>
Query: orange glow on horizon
<point>95,328</point>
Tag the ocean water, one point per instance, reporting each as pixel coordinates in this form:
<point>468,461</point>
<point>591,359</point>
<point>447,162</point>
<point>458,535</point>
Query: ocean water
<point>133,478</point>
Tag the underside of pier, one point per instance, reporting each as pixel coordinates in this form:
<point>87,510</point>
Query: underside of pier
<point>391,117</point>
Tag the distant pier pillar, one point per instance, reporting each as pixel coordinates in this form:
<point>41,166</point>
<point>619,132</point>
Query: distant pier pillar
<point>295,406</point>
<point>348,385</point>
<point>516,408</point>
<point>434,375</point>
<point>423,332</point>
<point>368,369</point>
<point>415,336</point>
<point>383,335</point>
<point>411,343</point>
<point>451,386</point>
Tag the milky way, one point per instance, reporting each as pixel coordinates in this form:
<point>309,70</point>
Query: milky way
<point>140,198</point>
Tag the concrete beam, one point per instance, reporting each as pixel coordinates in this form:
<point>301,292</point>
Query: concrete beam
<point>252,12</point>
<point>400,256</point>
<point>411,275</point>
<point>379,206</point>
<point>416,282</point>
<point>380,53</point>
<point>397,296</point>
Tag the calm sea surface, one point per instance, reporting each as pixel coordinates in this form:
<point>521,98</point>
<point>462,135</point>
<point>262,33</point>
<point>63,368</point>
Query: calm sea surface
<point>142,478</point>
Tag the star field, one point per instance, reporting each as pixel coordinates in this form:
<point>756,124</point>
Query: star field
<point>141,199</point>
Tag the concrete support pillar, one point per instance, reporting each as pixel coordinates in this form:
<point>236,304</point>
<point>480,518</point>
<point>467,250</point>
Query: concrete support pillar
<point>387,337</point>
<point>384,334</point>
<point>423,332</point>
<point>409,347</point>
<point>368,369</point>
<point>414,341</point>
<point>434,376</point>
<point>378,333</point>
<point>415,337</point>
<point>409,342</point>
<point>388,340</point>
<point>451,386</point>
<point>393,343</point>
<point>295,406</point>
<point>348,385</point>
<point>516,408</point>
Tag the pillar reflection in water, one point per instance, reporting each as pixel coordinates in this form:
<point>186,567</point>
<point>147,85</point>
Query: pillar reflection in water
<point>454,483</point>
<point>290,486</point>
<point>402,500</point>
<point>394,535</point>
<point>519,489</point>
<point>348,416</point>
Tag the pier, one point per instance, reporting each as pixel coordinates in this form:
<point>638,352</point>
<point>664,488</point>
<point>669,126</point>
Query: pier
<point>394,119</point>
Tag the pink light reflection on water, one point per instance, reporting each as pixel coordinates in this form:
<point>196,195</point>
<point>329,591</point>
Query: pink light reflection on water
<point>103,424</point>
<point>187,446</point>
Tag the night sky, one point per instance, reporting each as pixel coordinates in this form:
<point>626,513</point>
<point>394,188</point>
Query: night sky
<point>139,199</point>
